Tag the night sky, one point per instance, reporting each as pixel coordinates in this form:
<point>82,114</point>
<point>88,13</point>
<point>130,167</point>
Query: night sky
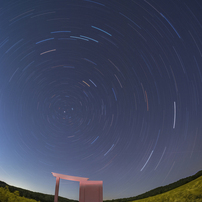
<point>109,90</point>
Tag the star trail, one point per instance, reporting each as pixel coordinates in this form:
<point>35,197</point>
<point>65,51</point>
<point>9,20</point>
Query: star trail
<point>107,90</point>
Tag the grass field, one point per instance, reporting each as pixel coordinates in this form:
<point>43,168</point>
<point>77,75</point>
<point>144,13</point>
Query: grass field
<point>7,196</point>
<point>189,192</point>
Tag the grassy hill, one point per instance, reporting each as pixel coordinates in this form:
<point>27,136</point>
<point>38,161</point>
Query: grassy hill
<point>191,191</point>
<point>12,192</point>
<point>161,190</point>
<point>187,189</point>
<point>7,196</point>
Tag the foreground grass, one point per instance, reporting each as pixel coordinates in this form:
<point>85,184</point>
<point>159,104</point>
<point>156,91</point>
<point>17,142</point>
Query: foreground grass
<point>10,193</point>
<point>189,192</point>
<point>7,196</point>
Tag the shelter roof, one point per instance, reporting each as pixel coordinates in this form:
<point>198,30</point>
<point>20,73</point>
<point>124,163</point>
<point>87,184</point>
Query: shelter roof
<point>68,177</point>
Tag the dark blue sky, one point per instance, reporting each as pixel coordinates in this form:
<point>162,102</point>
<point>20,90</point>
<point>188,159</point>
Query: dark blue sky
<point>108,90</point>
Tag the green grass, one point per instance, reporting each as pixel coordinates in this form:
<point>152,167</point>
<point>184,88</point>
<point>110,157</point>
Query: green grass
<point>191,191</point>
<point>26,195</point>
<point>7,196</point>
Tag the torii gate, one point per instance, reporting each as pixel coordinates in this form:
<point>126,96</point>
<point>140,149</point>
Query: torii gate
<point>89,191</point>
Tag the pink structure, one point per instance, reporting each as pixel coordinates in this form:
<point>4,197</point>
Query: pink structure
<point>89,191</point>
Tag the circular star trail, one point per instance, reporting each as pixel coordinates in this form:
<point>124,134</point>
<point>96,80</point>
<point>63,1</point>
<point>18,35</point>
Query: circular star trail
<point>108,90</point>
